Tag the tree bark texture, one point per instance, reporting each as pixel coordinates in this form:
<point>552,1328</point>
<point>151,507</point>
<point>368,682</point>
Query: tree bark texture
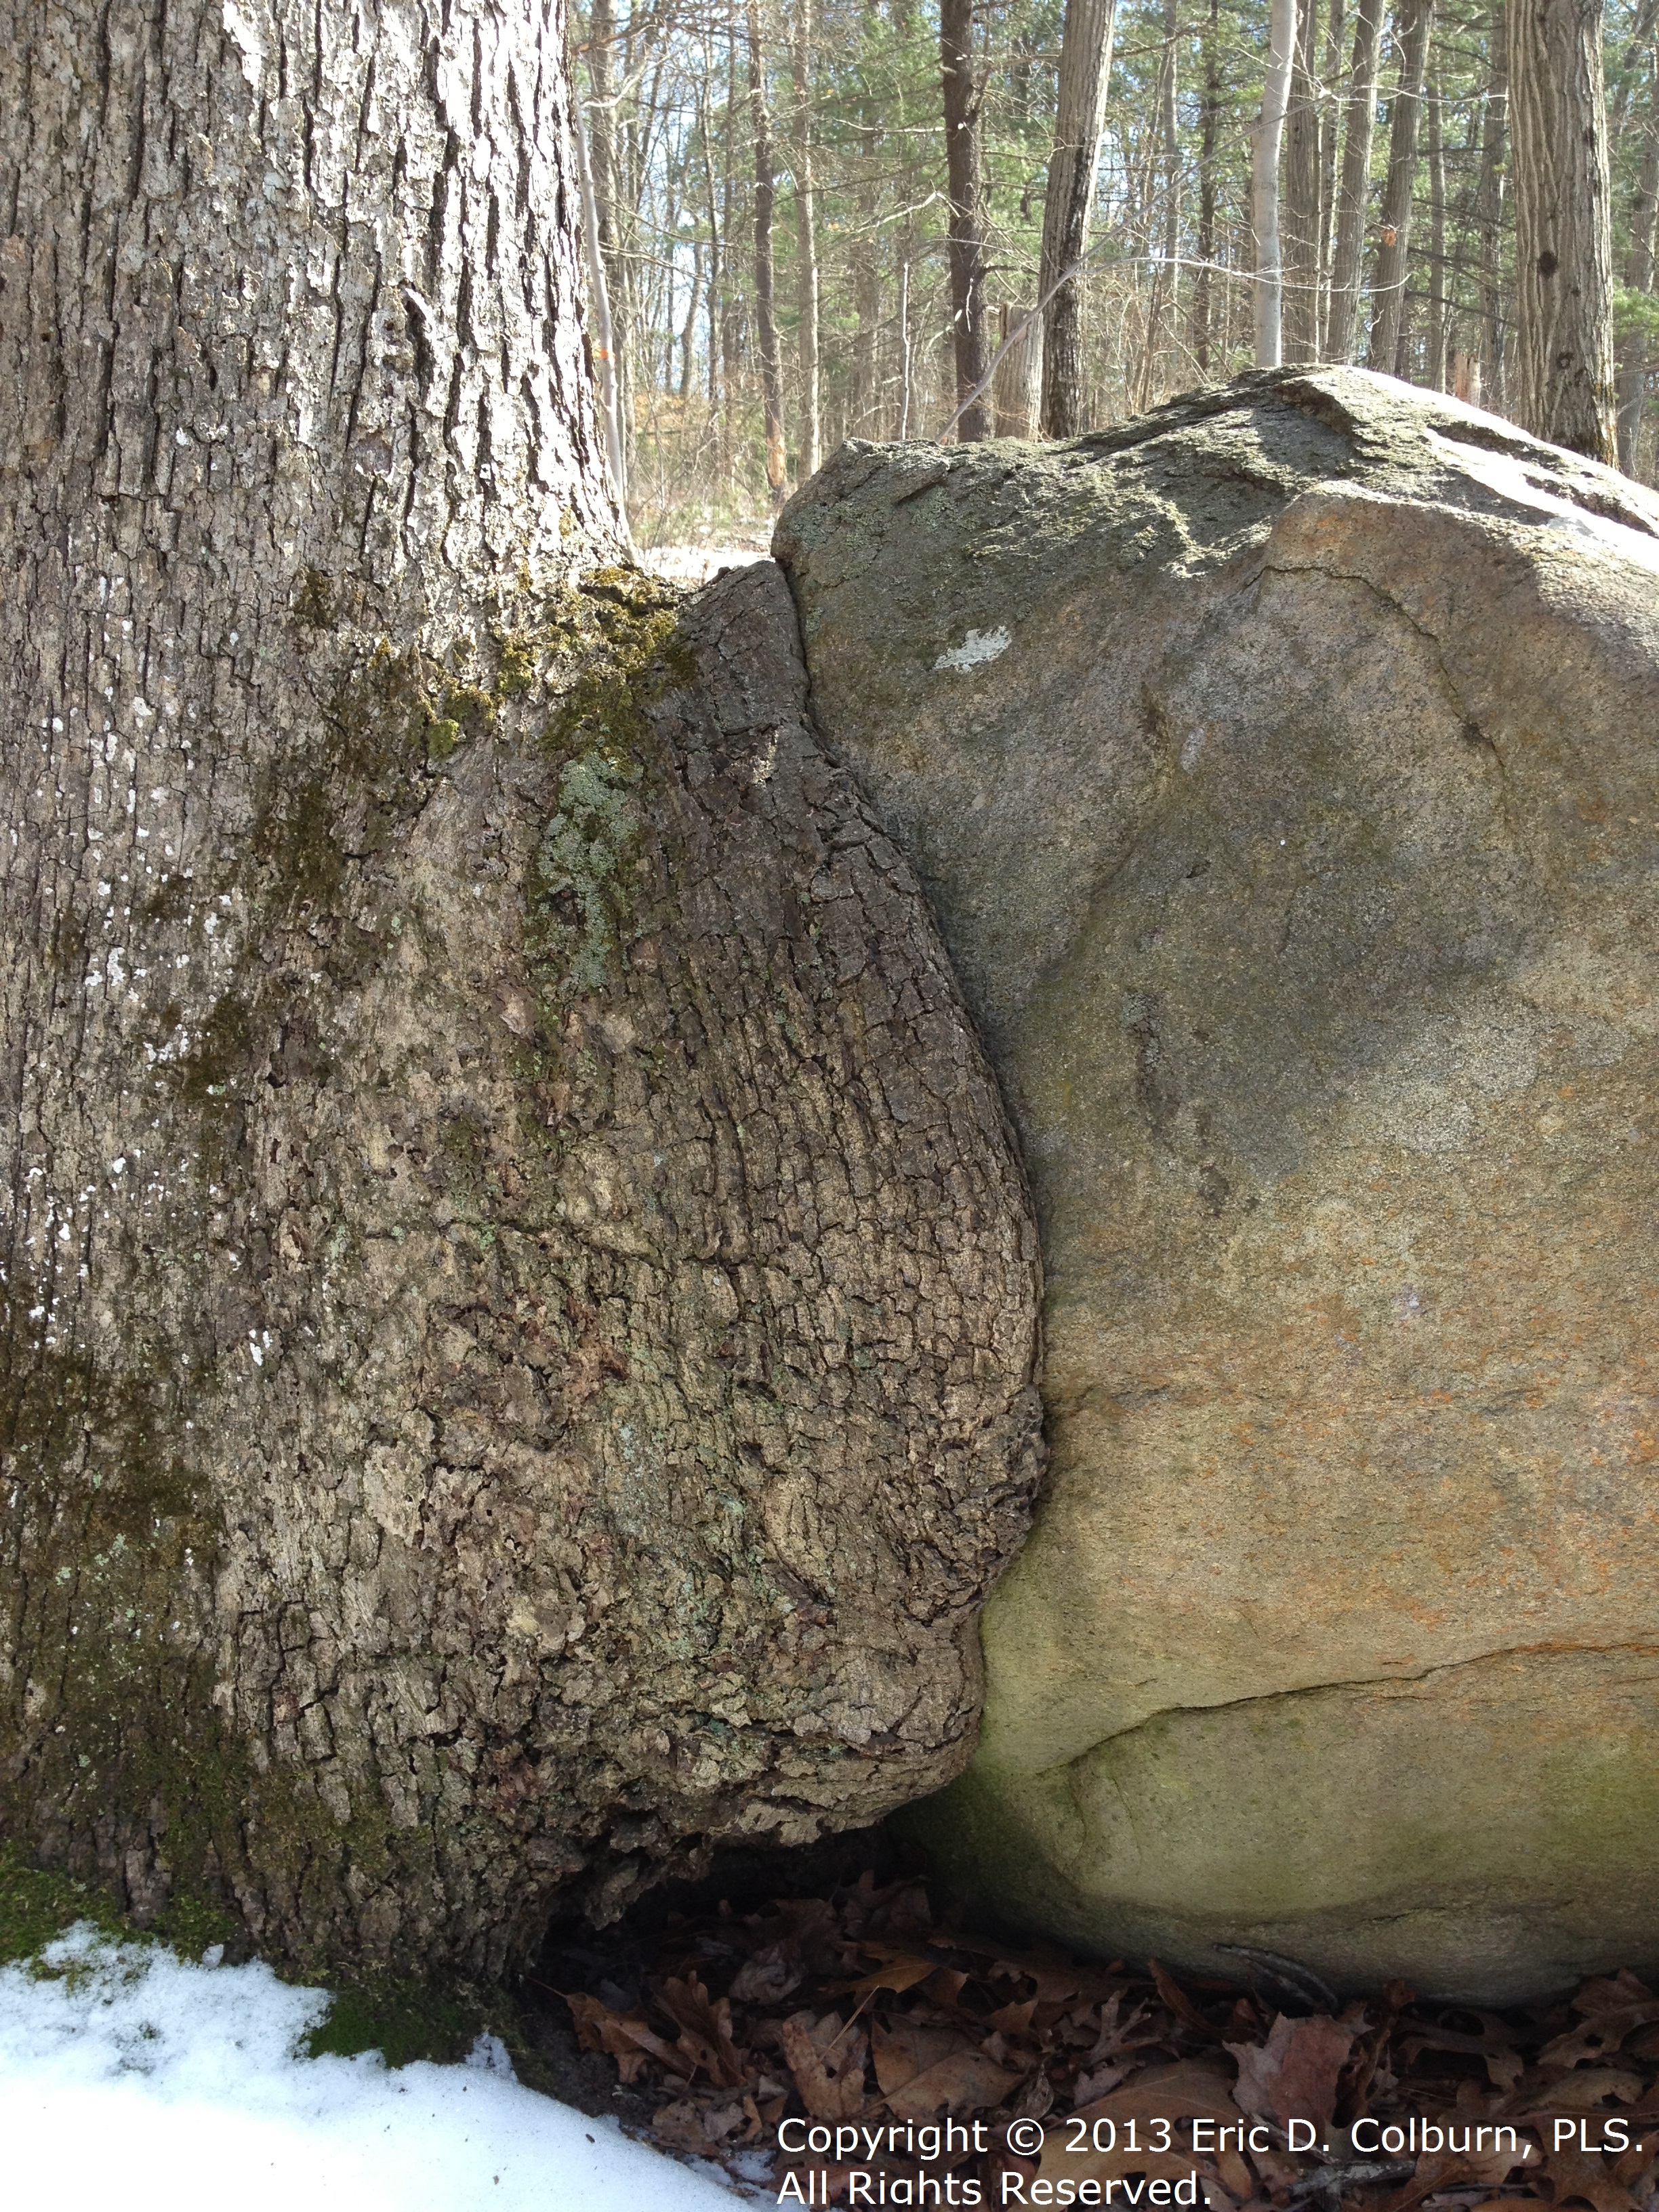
<point>766,321</point>
<point>1561,377</point>
<point>1085,70</point>
<point>1404,116</point>
<point>1348,260</point>
<point>519,1306</point>
<point>965,179</point>
<point>1301,187</point>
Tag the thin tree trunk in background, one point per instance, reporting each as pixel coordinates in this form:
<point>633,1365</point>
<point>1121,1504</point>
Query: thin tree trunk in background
<point>1209,131</point>
<point>1434,359</point>
<point>689,334</point>
<point>1636,347</point>
<point>964,167</point>
<point>902,428</point>
<point>1642,31</point>
<point>1268,291</point>
<point>800,62</point>
<point>603,342</point>
<point>605,163</point>
<point>1562,380</point>
<point>716,258</point>
<point>1348,262</point>
<point>1163,294</point>
<point>1329,111</point>
<point>731,348</point>
<point>1489,219</point>
<point>1404,116</point>
<point>1085,69</point>
<point>766,327</point>
<point>1300,315</point>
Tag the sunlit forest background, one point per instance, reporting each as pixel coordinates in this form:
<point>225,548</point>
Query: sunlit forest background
<point>843,104</point>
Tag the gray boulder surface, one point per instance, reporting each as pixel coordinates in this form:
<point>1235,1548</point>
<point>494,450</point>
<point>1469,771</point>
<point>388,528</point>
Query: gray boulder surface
<point>1281,769</point>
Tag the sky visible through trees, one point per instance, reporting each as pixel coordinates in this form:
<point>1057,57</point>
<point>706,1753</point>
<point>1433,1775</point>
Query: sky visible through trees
<point>703,113</point>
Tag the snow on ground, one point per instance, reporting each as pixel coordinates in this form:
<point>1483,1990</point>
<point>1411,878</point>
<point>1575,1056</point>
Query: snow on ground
<point>130,2077</point>
<point>695,564</point>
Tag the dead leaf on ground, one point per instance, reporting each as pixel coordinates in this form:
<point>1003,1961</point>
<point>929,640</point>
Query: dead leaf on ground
<point>1293,2075</point>
<point>905,2047</point>
<point>769,1975</point>
<point>960,2080</point>
<point>705,2030</point>
<point>625,2037</point>
<point>827,2064</point>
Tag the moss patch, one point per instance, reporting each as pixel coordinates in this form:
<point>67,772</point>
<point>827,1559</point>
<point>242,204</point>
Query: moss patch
<point>402,2020</point>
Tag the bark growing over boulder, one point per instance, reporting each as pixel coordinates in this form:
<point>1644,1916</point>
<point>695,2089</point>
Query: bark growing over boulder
<point>1281,767</point>
<point>519,1306</point>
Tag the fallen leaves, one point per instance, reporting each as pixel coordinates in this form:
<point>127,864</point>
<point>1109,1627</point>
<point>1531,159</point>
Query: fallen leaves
<point>858,2010</point>
<point>1293,2075</point>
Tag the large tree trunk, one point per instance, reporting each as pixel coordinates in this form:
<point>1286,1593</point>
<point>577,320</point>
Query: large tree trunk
<point>1085,70</point>
<point>518,1306</point>
<point>1348,261</point>
<point>1561,381</point>
<point>965,175</point>
<point>1404,116</point>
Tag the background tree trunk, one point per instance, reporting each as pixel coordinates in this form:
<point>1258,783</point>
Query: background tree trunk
<point>1393,231</point>
<point>1165,287</point>
<point>1086,71</point>
<point>1209,133</point>
<point>766,321</point>
<point>484,1405</point>
<point>1434,356</point>
<point>1636,349</point>
<point>1561,378</point>
<point>1264,185</point>
<point>1301,280</point>
<point>1328,142</point>
<point>965,175</point>
<point>1349,259</point>
<point>806,234</point>
<point>1489,222</point>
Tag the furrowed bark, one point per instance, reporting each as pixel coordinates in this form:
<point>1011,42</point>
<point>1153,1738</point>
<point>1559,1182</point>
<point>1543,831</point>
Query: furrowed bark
<point>505,1228</point>
<point>1562,383</point>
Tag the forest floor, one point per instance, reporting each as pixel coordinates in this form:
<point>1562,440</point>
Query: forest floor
<point>717,2027</point>
<point>807,2029</point>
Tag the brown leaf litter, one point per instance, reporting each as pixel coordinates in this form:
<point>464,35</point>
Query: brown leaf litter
<point>859,2007</point>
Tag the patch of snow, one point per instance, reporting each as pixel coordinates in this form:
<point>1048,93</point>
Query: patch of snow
<point>696,564</point>
<point>975,649</point>
<point>130,2076</point>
